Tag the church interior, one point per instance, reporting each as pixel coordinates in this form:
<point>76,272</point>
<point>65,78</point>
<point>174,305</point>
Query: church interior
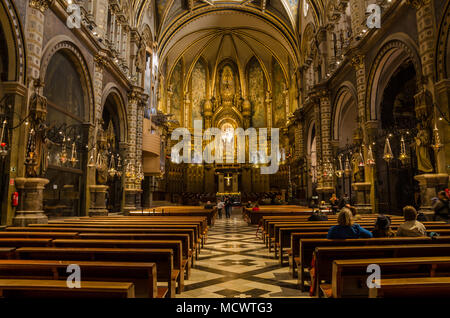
<point>224,148</point>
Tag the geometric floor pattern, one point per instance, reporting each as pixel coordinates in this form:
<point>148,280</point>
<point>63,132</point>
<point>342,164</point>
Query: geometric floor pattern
<point>234,263</point>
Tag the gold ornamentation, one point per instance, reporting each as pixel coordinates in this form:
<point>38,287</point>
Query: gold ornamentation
<point>40,5</point>
<point>358,61</point>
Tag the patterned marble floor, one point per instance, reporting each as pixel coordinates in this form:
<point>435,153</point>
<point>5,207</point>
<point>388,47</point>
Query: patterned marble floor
<point>235,263</point>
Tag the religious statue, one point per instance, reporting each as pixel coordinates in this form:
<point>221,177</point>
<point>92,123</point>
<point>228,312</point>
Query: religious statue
<point>102,156</point>
<point>356,173</point>
<point>423,140</point>
<point>36,154</point>
<point>140,57</point>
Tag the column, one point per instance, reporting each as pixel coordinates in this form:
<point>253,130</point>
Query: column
<point>325,124</point>
<point>134,97</point>
<point>365,191</point>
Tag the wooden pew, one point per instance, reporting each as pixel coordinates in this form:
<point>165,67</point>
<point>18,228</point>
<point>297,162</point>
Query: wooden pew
<point>197,233</point>
<point>7,252</point>
<point>82,230</point>
<point>184,238</point>
<point>47,235</point>
<point>32,288</point>
<point>162,257</point>
<point>308,246</point>
<point>349,276</point>
<point>142,275</point>
<point>284,235</point>
<point>412,288</point>
<point>19,242</point>
<point>175,246</point>
<point>324,256</point>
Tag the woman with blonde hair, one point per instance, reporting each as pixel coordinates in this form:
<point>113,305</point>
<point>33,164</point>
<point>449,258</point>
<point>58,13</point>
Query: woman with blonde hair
<point>346,228</point>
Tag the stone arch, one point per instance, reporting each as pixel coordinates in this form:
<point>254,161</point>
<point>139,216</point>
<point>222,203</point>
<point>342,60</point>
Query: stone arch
<point>15,49</point>
<point>64,44</point>
<point>395,51</point>
<point>112,91</point>
<point>443,47</point>
<point>345,112</point>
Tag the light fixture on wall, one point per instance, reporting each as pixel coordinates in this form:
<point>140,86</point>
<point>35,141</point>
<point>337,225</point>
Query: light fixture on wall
<point>370,160</point>
<point>3,145</point>
<point>403,155</point>
<point>437,139</point>
<point>387,154</point>
<point>340,169</point>
<point>347,168</point>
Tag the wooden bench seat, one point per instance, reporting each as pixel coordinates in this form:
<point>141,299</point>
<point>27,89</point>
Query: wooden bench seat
<point>162,257</point>
<point>20,242</point>
<point>46,235</point>
<point>349,276</point>
<point>7,252</point>
<point>175,246</point>
<point>308,246</point>
<point>197,235</point>
<point>324,256</point>
<point>32,288</point>
<point>184,238</point>
<point>82,230</point>
<point>142,275</point>
<point>283,236</point>
<point>423,287</point>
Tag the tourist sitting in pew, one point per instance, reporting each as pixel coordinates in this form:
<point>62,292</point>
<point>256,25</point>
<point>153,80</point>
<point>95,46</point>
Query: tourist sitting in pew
<point>356,216</point>
<point>317,215</point>
<point>256,207</point>
<point>383,227</point>
<point>441,207</point>
<point>249,205</point>
<point>411,227</point>
<point>346,229</point>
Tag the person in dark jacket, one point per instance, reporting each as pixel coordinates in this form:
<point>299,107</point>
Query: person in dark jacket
<point>318,216</point>
<point>383,227</point>
<point>344,201</point>
<point>228,207</point>
<point>346,229</point>
<point>441,207</point>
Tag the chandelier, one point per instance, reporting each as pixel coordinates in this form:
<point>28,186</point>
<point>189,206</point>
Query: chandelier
<point>339,170</point>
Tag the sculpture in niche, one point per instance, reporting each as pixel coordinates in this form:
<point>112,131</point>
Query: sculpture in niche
<point>140,57</point>
<point>423,141</point>
<point>102,155</point>
<point>36,155</point>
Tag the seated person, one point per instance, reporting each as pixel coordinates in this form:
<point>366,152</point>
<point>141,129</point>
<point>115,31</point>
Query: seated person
<point>249,205</point>
<point>346,229</point>
<point>356,217</point>
<point>208,205</point>
<point>411,227</point>
<point>256,207</point>
<point>318,216</point>
<point>383,227</point>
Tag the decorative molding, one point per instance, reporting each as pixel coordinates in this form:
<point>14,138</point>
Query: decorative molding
<point>41,5</point>
<point>417,4</point>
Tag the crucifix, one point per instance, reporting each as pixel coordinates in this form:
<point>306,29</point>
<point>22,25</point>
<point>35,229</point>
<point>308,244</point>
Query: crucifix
<point>228,178</point>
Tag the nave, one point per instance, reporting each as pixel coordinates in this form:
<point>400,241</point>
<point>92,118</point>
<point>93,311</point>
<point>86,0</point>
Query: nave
<point>236,263</point>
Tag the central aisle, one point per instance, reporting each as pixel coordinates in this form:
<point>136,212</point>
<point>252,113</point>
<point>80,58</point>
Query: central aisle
<point>235,263</point>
